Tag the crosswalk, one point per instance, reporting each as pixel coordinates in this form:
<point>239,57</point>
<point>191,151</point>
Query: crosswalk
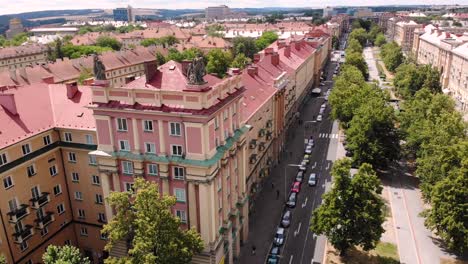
<point>328,135</point>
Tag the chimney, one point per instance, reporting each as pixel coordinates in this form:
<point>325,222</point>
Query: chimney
<point>72,89</point>
<point>275,59</point>
<point>256,58</point>
<point>252,70</point>
<point>287,51</point>
<point>268,51</point>
<point>447,35</point>
<point>7,101</point>
<point>150,70</point>
<point>297,45</point>
<point>185,64</point>
<point>281,44</point>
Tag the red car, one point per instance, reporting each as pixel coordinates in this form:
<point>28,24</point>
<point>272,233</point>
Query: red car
<point>296,187</point>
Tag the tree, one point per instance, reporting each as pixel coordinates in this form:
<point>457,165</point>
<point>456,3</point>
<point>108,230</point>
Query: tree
<point>150,42</point>
<point>215,30</point>
<point>218,62</point>
<point>245,45</point>
<point>447,216</point>
<point>85,73</point>
<point>192,53</point>
<point>168,41</point>
<point>74,52</point>
<point>354,46</point>
<point>335,42</point>
<point>457,24</point>
<point>351,204</point>
<point>58,49</point>
<point>431,78</point>
<point>373,32</point>
<point>63,255</point>
<point>407,80</point>
<point>144,218</point>
<point>357,60</point>
<point>360,35</point>
<point>392,56</point>
<point>2,259</point>
<point>380,40</point>
<point>160,58</point>
<point>266,39</point>
<point>105,41</point>
<point>240,61</point>
<point>50,54</point>
<point>174,55</point>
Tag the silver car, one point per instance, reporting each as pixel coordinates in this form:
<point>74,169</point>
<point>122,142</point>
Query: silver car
<point>292,200</point>
<point>279,237</point>
<point>319,118</point>
<point>286,220</point>
<point>312,179</point>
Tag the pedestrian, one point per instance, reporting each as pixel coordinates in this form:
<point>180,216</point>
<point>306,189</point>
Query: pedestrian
<point>253,250</point>
<point>277,194</point>
<point>272,185</point>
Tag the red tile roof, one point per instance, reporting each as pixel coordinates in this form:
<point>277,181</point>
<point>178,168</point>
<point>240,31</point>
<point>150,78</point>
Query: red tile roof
<point>26,50</point>
<point>41,107</point>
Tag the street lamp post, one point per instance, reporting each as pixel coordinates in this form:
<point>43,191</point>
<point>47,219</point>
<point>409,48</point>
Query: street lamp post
<point>285,167</point>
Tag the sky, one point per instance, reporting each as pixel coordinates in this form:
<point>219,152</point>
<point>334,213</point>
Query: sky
<point>20,6</point>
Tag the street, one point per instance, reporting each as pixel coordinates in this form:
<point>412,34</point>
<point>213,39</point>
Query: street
<point>301,245</point>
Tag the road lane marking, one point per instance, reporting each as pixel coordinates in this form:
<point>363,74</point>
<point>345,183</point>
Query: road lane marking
<point>290,259</point>
<point>296,232</point>
<point>328,166</point>
<point>304,203</point>
<point>315,165</point>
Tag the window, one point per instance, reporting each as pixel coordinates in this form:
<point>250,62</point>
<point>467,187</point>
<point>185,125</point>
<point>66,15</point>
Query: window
<point>150,147</point>
<point>60,209</point>
<point>3,159</point>
<point>96,180</point>
<point>46,140</point>
<point>129,186</point>
<point>182,216</point>
<point>148,125</point>
<point>26,149</point>
<point>177,150</point>
<point>24,245</point>
<point>45,231</point>
<point>68,242</point>
<point>124,145</point>
<point>29,262</point>
<point>152,169</point>
<point>81,214</point>
<point>68,137</point>
<point>127,167</point>
<point>220,202</point>
<point>220,183</point>
<point>89,139</point>
<point>102,236</point>
<point>31,170</point>
<point>71,157</point>
<point>121,124</point>
<point>7,182</point>
<point>99,199</point>
<point>53,170</point>
<point>225,114</point>
<point>178,173</point>
<point>234,109</point>
<point>101,217</point>
<point>175,129</point>
<point>79,196</point>
<point>75,177</point>
<point>84,231</point>
<point>216,123</point>
<point>179,194</point>
<point>57,189</point>
<point>92,160</point>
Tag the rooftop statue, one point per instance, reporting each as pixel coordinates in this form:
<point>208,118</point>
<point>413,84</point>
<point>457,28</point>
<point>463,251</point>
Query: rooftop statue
<point>99,69</point>
<point>196,71</point>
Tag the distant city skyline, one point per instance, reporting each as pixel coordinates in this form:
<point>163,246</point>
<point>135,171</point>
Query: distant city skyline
<point>21,6</point>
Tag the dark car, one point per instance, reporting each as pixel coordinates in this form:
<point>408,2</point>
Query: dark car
<point>300,176</point>
<point>279,237</point>
<point>286,220</point>
<point>292,200</point>
<point>275,251</point>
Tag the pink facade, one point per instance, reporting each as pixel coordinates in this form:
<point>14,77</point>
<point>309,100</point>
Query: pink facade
<point>194,144</point>
<point>104,134</point>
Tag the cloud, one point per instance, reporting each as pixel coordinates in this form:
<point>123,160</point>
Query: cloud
<point>20,6</point>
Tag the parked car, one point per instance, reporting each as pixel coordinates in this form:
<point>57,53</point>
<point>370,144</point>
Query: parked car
<point>324,105</point>
<point>303,166</point>
<point>286,220</point>
<point>322,84</point>
<point>311,142</point>
<point>306,160</point>
<point>312,179</point>
<point>296,187</point>
<point>321,111</point>
<point>299,176</point>
<point>319,118</point>
<point>279,237</point>
<point>308,150</point>
<point>292,200</point>
<point>307,157</point>
<point>275,251</point>
<point>273,260</point>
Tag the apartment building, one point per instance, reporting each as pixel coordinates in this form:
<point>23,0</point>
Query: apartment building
<point>404,32</point>
<point>217,12</point>
<point>22,56</point>
<point>51,191</point>
<point>458,77</point>
<point>121,67</point>
<point>188,138</point>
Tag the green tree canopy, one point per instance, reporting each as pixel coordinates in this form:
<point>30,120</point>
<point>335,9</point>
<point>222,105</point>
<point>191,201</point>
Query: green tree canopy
<point>144,218</point>
<point>174,55</point>
<point>354,46</point>
<point>245,45</point>
<point>357,60</point>
<point>380,40</point>
<point>215,30</point>
<point>63,255</point>
<point>360,35</point>
<point>74,52</point>
<point>351,204</point>
<point>240,61</point>
<point>150,42</point>
<point>2,259</point>
<point>335,42</point>
<point>218,62</point>
<point>109,42</point>
<point>160,58</point>
<point>392,56</point>
<point>266,39</point>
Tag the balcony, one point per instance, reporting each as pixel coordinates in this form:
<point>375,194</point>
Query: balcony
<point>261,146</point>
<point>269,135</point>
<point>269,123</point>
<point>23,235</point>
<point>261,132</point>
<point>253,158</point>
<point>40,201</point>
<point>19,213</point>
<point>44,221</point>
<point>253,144</point>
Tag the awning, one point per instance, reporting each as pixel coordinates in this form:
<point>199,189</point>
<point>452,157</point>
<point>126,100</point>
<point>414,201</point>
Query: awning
<point>316,90</point>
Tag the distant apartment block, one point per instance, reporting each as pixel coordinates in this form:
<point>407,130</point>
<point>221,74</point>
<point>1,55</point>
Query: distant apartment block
<point>123,14</point>
<point>217,12</point>
<point>22,56</point>
<point>15,28</point>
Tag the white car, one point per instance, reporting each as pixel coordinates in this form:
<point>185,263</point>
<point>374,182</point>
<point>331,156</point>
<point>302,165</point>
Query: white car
<point>324,105</point>
<point>303,166</point>
<point>312,179</point>
<point>308,150</point>
<point>279,237</point>
<point>321,110</point>
<point>311,142</point>
<point>319,118</point>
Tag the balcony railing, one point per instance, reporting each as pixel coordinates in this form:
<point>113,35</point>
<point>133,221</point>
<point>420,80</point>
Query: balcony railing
<point>40,201</point>
<point>24,234</point>
<point>44,221</point>
<point>19,213</point>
